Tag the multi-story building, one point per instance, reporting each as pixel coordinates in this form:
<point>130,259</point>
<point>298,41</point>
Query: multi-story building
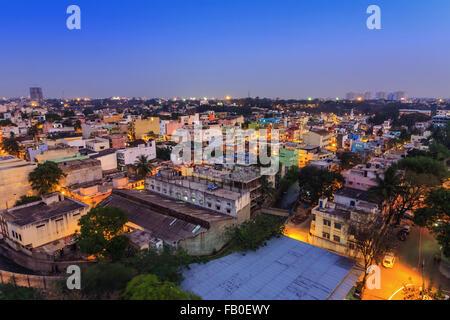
<point>142,128</point>
<point>227,200</point>
<point>129,156</point>
<point>321,138</point>
<point>36,94</point>
<point>329,228</point>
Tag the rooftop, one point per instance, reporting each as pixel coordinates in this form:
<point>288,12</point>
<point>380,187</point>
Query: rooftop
<point>40,211</point>
<point>285,269</point>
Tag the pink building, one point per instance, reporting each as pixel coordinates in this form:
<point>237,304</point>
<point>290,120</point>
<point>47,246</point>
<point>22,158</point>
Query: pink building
<point>362,177</point>
<point>117,141</point>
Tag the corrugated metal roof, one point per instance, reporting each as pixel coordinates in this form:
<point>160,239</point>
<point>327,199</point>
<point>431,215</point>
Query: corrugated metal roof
<point>285,269</point>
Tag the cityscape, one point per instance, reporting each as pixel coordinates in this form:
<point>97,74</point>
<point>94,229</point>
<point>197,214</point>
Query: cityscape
<point>208,189</point>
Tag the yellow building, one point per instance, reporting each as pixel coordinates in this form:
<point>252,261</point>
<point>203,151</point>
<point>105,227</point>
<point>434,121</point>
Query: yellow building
<point>141,128</point>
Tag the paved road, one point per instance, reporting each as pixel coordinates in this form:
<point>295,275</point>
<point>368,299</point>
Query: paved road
<point>407,269</point>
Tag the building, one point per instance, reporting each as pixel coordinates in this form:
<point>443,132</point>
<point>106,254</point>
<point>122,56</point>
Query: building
<point>80,172</point>
<point>36,94</point>
<point>413,111</point>
<point>129,156</point>
<point>97,144</point>
<point>321,138</point>
<point>117,141</point>
<point>108,159</point>
<point>142,128</point>
<point>283,269</point>
<point>179,224</point>
<point>227,200</point>
<point>39,235</point>
<point>57,152</point>
<point>14,180</point>
<point>329,227</point>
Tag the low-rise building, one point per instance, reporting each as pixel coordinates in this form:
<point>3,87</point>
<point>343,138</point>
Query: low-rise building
<point>129,156</point>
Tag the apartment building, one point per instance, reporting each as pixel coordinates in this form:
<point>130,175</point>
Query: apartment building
<point>329,228</point>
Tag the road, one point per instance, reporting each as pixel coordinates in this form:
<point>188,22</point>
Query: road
<point>407,269</point>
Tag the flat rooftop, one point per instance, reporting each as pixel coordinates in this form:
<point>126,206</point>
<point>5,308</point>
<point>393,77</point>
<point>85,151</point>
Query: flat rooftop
<point>39,211</point>
<point>285,269</point>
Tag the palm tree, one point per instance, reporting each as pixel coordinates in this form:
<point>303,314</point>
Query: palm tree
<point>142,166</point>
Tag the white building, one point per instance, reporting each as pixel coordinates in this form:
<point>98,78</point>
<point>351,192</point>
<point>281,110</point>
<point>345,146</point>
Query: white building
<point>97,144</point>
<point>130,155</point>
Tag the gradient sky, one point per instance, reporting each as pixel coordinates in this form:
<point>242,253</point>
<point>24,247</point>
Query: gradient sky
<point>213,48</point>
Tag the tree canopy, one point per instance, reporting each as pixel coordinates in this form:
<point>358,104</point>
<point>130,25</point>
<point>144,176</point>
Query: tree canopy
<point>149,287</point>
<point>316,183</point>
<point>101,233</point>
<point>45,177</point>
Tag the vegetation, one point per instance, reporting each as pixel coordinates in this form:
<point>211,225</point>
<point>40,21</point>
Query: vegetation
<point>435,215</point>
<point>316,183</point>
<point>101,233</point>
<point>45,177</point>
<point>9,291</point>
<point>105,280</point>
<point>349,159</point>
<point>252,234</point>
<point>149,287</point>
<point>166,265</point>
<point>11,146</point>
<point>25,200</point>
<point>142,166</point>
<point>163,154</point>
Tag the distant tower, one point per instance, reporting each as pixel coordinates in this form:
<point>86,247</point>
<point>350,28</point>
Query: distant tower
<point>36,94</point>
<point>352,115</point>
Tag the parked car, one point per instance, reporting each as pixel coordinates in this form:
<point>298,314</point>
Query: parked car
<point>389,260</point>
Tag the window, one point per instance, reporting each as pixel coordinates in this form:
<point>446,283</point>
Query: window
<point>337,238</point>
<point>209,205</point>
<point>193,200</point>
<point>201,202</point>
<point>352,203</point>
<point>228,211</point>
<point>326,235</point>
<point>218,207</point>
<point>337,226</point>
<point>326,222</point>
<point>351,245</point>
<point>20,237</point>
<point>313,217</point>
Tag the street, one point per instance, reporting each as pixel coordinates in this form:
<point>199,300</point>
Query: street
<point>406,270</point>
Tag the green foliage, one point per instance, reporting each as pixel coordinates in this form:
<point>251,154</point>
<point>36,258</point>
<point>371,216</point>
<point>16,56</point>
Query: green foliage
<point>101,233</point>
<point>410,120</point>
<point>167,264</point>
<point>6,123</point>
<point>254,233</point>
<point>11,146</point>
<point>10,292</point>
<point>25,200</point>
<point>149,287</point>
<point>435,215</point>
<point>52,117</point>
<point>45,177</point>
<point>142,166</point>
<point>425,167</point>
<point>163,154</point>
<point>105,280</point>
<point>349,159</point>
<point>315,183</point>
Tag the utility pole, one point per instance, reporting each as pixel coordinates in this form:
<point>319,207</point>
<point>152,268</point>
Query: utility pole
<point>423,281</point>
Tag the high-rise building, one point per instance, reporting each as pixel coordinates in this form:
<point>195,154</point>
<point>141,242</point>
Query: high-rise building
<point>36,94</point>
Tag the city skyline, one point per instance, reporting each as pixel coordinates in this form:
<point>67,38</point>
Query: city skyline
<point>271,49</point>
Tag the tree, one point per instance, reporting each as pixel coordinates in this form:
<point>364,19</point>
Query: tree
<point>105,280</point>
<point>435,215</point>
<point>45,177</point>
<point>166,264</point>
<point>34,131</point>
<point>149,287</point>
<point>101,233</point>
<point>25,200</point>
<point>349,159</point>
<point>77,125</point>
<point>254,233</point>
<point>371,238</point>
<point>10,145</point>
<point>142,166</point>
<point>269,192</point>
<point>9,291</point>
<point>163,154</point>
<point>316,183</point>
